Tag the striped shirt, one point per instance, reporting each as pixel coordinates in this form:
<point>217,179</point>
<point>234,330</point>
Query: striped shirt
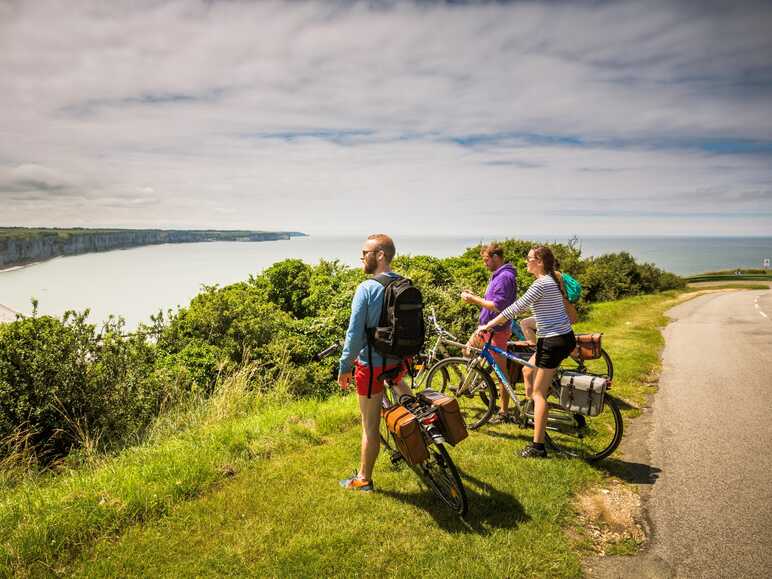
<point>546,302</point>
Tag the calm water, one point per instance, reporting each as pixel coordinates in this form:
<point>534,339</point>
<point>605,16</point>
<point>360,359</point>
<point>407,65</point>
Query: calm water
<point>135,283</point>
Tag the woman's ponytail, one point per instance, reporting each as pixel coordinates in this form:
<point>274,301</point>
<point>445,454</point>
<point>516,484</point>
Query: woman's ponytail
<point>547,258</point>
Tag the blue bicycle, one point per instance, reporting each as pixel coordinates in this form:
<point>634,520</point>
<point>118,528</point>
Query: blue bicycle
<point>470,381</point>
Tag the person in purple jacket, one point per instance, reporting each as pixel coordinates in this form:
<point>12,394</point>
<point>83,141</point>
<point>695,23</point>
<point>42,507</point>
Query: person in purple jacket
<point>500,294</point>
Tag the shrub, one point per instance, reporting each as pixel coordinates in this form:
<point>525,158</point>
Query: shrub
<point>617,275</point>
<point>61,382</point>
<point>287,284</point>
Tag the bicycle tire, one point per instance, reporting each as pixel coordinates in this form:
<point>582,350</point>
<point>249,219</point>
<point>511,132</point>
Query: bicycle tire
<point>387,438</point>
<point>440,474</point>
<point>469,385</point>
<point>599,367</point>
<point>590,438</point>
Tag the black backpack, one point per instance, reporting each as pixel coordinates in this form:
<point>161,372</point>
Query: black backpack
<point>400,331</point>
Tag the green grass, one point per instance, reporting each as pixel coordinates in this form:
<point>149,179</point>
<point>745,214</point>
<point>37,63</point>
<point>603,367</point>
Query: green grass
<point>729,285</point>
<point>247,485</point>
<point>729,277</point>
<point>288,517</point>
<point>730,272</point>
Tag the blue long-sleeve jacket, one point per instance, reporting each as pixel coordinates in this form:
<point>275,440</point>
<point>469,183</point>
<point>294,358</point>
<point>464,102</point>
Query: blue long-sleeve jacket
<point>365,313</point>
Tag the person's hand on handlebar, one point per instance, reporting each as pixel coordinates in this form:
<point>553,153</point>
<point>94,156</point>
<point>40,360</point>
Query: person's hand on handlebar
<point>497,321</point>
<point>482,329</point>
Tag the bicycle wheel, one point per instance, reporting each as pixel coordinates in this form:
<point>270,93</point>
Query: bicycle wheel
<point>473,388</point>
<point>440,474</point>
<point>587,437</point>
<point>599,367</point>
<point>387,438</point>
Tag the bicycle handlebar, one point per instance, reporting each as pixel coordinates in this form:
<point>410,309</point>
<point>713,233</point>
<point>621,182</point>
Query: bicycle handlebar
<point>329,351</point>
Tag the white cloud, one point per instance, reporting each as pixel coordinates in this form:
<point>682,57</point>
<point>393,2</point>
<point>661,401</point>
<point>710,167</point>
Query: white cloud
<point>319,116</point>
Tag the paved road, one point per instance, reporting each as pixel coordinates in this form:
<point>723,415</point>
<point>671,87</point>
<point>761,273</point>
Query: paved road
<point>709,440</point>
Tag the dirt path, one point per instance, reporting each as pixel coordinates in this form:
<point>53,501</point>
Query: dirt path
<point>701,455</point>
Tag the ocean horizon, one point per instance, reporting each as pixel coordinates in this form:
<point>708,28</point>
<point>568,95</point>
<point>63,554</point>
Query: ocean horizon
<point>137,282</point>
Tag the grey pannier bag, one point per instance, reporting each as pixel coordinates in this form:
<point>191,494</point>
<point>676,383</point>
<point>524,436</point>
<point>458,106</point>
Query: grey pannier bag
<point>582,394</point>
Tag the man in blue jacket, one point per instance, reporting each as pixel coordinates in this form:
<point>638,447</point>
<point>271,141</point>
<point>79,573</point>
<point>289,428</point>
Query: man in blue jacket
<point>500,294</point>
<point>377,253</point>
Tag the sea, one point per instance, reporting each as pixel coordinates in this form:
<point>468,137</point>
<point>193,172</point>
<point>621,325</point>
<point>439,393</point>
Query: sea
<point>136,283</point>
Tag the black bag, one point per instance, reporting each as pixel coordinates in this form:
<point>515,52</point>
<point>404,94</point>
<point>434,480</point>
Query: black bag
<point>400,332</point>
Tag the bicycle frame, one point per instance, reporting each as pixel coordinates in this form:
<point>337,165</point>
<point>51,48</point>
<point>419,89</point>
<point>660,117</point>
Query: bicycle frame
<point>485,353</point>
<point>443,338</point>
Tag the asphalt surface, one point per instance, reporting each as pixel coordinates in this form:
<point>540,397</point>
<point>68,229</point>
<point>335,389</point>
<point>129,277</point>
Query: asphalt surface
<point>702,454</point>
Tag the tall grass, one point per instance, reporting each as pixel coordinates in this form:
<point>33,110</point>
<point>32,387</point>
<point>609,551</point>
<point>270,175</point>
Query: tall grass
<point>46,519</point>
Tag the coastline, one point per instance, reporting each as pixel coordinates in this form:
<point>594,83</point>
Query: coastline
<point>13,268</point>
<point>25,246</point>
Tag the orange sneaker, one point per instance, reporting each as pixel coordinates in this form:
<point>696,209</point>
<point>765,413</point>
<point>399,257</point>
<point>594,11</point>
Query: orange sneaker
<point>356,484</point>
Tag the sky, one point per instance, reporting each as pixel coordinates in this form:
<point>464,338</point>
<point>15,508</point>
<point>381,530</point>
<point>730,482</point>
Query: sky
<point>422,118</point>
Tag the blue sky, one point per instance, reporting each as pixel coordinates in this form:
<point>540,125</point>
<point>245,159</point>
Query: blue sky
<point>518,119</point>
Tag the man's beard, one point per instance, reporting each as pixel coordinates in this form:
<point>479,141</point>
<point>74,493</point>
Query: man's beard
<point>370,266</point>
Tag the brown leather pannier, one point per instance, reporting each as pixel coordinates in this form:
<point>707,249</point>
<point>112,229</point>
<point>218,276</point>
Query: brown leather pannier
<point>453,425</point>
<point>588,346</point>
<point>410,440</point>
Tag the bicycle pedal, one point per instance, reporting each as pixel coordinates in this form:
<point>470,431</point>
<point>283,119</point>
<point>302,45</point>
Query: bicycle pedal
<point>395,458</point>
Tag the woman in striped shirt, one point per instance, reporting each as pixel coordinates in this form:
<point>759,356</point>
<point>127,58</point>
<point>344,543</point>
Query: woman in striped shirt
<point>555,338</point>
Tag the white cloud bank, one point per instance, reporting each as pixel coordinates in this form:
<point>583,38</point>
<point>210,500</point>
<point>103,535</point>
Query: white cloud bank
<point>338,117</point>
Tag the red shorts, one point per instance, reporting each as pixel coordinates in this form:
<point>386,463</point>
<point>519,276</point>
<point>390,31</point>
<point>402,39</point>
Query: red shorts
<point>362,377</point>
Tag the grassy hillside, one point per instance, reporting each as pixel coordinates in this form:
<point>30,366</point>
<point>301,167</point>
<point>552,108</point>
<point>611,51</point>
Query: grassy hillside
<point>246,483</point>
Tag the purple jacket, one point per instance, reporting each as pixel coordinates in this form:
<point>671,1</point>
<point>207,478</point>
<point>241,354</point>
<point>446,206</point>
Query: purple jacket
<point>502,291</point>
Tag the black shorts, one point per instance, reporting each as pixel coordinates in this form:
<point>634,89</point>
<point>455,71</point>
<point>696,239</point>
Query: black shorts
<point>550,352</point>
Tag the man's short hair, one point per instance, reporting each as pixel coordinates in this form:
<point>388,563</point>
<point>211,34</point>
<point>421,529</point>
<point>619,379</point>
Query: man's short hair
<point>492,249</point>
<point>385,244</point>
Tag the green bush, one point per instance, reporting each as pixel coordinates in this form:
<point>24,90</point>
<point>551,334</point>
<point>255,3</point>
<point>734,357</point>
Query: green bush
<point>63,382</point>
<point>617,275</point>
<point>287,284</point>
<point>195,368</point>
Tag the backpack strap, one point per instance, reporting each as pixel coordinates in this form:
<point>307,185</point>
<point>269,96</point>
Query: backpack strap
<point>385,280</point>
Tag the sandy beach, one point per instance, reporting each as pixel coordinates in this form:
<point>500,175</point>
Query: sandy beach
<point>6,314</point>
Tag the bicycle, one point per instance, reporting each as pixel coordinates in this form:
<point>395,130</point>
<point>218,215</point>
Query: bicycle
<point>591,438</point>
<point>437,471</point>
<point>478,399</point>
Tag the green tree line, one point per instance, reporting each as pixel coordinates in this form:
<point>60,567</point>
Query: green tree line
<point>65,382</point>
